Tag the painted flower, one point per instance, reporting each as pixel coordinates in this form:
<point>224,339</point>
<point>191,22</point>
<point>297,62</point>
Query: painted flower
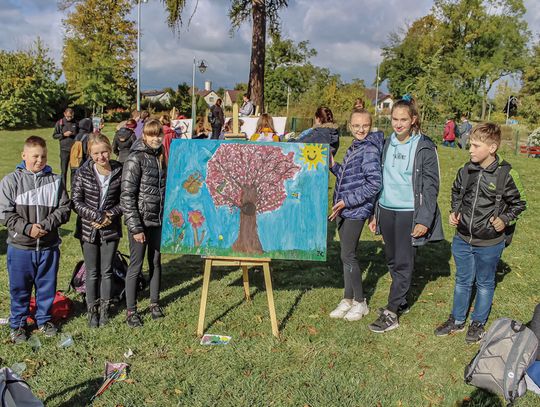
<point>176,218</point>
<point>196,218</point>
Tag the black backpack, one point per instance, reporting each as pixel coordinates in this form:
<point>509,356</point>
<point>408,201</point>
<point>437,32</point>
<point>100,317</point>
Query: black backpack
<point>502,175</point>
<point>120,266</point>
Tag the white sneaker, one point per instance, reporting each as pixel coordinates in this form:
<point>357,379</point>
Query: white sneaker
<point>343,307</point>
<point>357,311</point>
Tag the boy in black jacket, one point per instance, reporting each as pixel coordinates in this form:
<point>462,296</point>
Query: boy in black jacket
<point>486,201</point>
<point>65,131</point>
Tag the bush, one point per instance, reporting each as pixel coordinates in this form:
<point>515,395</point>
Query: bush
<point>116,115</point>
<point>534,138</point>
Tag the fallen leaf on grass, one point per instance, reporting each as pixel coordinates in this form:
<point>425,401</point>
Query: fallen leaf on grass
<point>331,365</point>
<point>259,319</point>
<point>312,330</point>
<point>129,381</point>
<point>247,372</point>
<point>178,391</point>
<point>421,374</point>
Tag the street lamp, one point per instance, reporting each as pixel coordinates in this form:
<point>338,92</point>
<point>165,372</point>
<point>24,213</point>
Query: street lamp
<point>139,53</point>
<point>202,69</point>
<point>377,98</point>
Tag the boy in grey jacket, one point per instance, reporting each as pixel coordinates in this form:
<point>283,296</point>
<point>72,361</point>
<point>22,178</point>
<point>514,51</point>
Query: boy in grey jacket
<point>33,205</point>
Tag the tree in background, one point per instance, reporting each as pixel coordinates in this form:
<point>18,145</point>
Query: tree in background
<point>29,88</point>
<point>259,11</point>
<point>98,52</point>
<point>530,91</point>
<point>454,55</point>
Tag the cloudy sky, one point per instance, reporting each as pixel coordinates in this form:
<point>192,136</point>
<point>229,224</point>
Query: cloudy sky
<point>348,35</point>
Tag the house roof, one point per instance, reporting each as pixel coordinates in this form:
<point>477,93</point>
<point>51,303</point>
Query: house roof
<point>233,94</point>
<point>153,92</point>
<point>371,94</point>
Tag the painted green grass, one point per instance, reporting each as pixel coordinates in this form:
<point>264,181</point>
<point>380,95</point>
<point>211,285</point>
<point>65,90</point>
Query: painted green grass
<point>316,362</point>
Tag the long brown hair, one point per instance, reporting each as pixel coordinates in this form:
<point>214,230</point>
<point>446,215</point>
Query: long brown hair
<point>410,104</point>
<point>325,115</point>
<point>265,121</point>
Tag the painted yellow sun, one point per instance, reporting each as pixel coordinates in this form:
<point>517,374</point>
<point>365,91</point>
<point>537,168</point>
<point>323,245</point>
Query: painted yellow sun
<point>313,155</point>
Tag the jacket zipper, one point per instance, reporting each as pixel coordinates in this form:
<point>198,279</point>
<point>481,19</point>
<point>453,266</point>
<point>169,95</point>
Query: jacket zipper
<point>37,209</point>
<point>159,185</point>
<point>474,206</point>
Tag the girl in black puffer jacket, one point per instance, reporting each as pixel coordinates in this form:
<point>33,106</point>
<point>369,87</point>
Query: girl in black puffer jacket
<point>96,198</point>
<point>142,198</point>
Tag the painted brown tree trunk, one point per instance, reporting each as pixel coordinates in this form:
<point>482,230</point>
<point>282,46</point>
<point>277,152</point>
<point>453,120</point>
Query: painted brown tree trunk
<point>258,49</point>
<point>248,236</point>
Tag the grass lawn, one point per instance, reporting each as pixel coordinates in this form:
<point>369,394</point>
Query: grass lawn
<point>316,362</point>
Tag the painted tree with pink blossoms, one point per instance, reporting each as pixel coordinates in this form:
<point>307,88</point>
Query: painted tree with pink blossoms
<point>250,178</point>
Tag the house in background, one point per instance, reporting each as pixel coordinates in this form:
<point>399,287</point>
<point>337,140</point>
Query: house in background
<point>384,101</point>
<point>156,96</point>
<point>232,96</point>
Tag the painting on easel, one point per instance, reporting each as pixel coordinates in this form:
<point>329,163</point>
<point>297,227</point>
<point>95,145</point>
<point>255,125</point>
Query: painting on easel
<point>245,199</point>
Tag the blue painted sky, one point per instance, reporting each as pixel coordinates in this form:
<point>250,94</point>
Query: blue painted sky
<point>300,223</point>
<point>348,35</point>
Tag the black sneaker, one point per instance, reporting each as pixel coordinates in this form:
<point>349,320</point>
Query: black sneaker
<point>93,316</point>
<point>156,311</point>
<point>403,309</point>
<point>386,322</point>
<point>18,335</point>
<point>449,327</point>
<point>134,320</point>
<point>475,332</point>
<point>104,313</point>
<point>48,329</point>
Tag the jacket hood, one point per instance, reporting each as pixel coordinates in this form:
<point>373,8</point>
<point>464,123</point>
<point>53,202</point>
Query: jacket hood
<point>376,138</point>
<point>22,166</point>
<point>85,125</point>
<point>125,132</point>
<point>326,126</point>
<point>491,167</point>
<point>139,145</point>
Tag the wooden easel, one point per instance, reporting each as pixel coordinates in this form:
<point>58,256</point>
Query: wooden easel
<point>245,263</point>
<point>235,135</point>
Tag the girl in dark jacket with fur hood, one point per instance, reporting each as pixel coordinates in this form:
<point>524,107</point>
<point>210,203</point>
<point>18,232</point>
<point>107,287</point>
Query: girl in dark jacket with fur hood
<point>96,199</point>
<point>358,182</point>
<point>324,131</point>
<point>142,198</point>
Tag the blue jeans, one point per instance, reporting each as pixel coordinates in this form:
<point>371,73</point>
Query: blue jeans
<point>474,265</point>
<point>449,144</point>
<point>26,269</point>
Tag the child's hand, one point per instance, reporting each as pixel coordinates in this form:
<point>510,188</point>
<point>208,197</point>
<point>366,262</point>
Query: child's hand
<point>372,224</point>
<point>336,209</point>
<point>419,230</point>
<point>67,133</point>
<point>139,237</point>
<point>454,219</point>
<point>37,231</point>
<point>498,224</point>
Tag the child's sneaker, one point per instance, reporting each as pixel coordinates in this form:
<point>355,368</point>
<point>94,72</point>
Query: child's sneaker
<point>18,335</point>
<point>386,322</point>
<point>357,311</point>
<point>48,329</point>
<point>343,307</point>
<point>134,320</point>
<point>475,332</point>
<point>402,309</point>
<point>156,311</point>
<point>449,327</point>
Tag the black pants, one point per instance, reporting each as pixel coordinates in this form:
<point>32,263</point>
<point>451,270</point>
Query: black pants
<point>349,234</point>
<point>216,131</point>
<point>136,257</point>
<point>98,259</point>
<point>396,228</point>
<point>64,166</point>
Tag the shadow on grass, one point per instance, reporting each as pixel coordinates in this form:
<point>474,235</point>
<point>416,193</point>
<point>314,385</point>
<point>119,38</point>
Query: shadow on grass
<point>84,392</point>
<point>480,398</point>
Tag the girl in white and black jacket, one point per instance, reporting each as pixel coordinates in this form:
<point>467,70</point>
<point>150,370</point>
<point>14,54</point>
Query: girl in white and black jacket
<point>142,198</point>
<point>96,199</point>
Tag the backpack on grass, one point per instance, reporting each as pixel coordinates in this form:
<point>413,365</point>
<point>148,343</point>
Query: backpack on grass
<point>506,352</point>
<point>120,266</point>
<point>15,392</point>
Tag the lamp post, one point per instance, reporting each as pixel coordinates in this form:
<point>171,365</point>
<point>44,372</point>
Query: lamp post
<point>377,98</point>
<point>202,68</point>
<point>139,52</point>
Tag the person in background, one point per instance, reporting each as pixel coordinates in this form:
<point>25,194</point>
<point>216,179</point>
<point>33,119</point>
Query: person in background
<point>464,132</point>
<point>449,135</point>
<point>216,119</point>
<point>134,115</point>
<point>324,131</point>
<point>228,128</point>
<point>168,135</point>
<point>123,140</point>
<point>247,108</point>
<point>265,130</point>
<point>359,104</point>
<point>65,131</point>
<point>85,130</point>
<point>140,123</point>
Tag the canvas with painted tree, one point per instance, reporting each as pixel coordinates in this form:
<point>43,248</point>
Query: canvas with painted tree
<point>245,199</point>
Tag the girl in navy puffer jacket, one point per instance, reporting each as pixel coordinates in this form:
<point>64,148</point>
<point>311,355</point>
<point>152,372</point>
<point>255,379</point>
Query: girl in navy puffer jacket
<point>358,182</point>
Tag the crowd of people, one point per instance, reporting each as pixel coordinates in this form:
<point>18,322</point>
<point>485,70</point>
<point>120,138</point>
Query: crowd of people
<point>391,184</point>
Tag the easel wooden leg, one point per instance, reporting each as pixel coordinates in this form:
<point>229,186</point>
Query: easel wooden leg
<point>245,279</point>
<point>270,296</point>
<point>204,296</point>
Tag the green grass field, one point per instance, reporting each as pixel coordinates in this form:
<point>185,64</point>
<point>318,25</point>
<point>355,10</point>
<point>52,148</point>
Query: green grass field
<point>316,362</point>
